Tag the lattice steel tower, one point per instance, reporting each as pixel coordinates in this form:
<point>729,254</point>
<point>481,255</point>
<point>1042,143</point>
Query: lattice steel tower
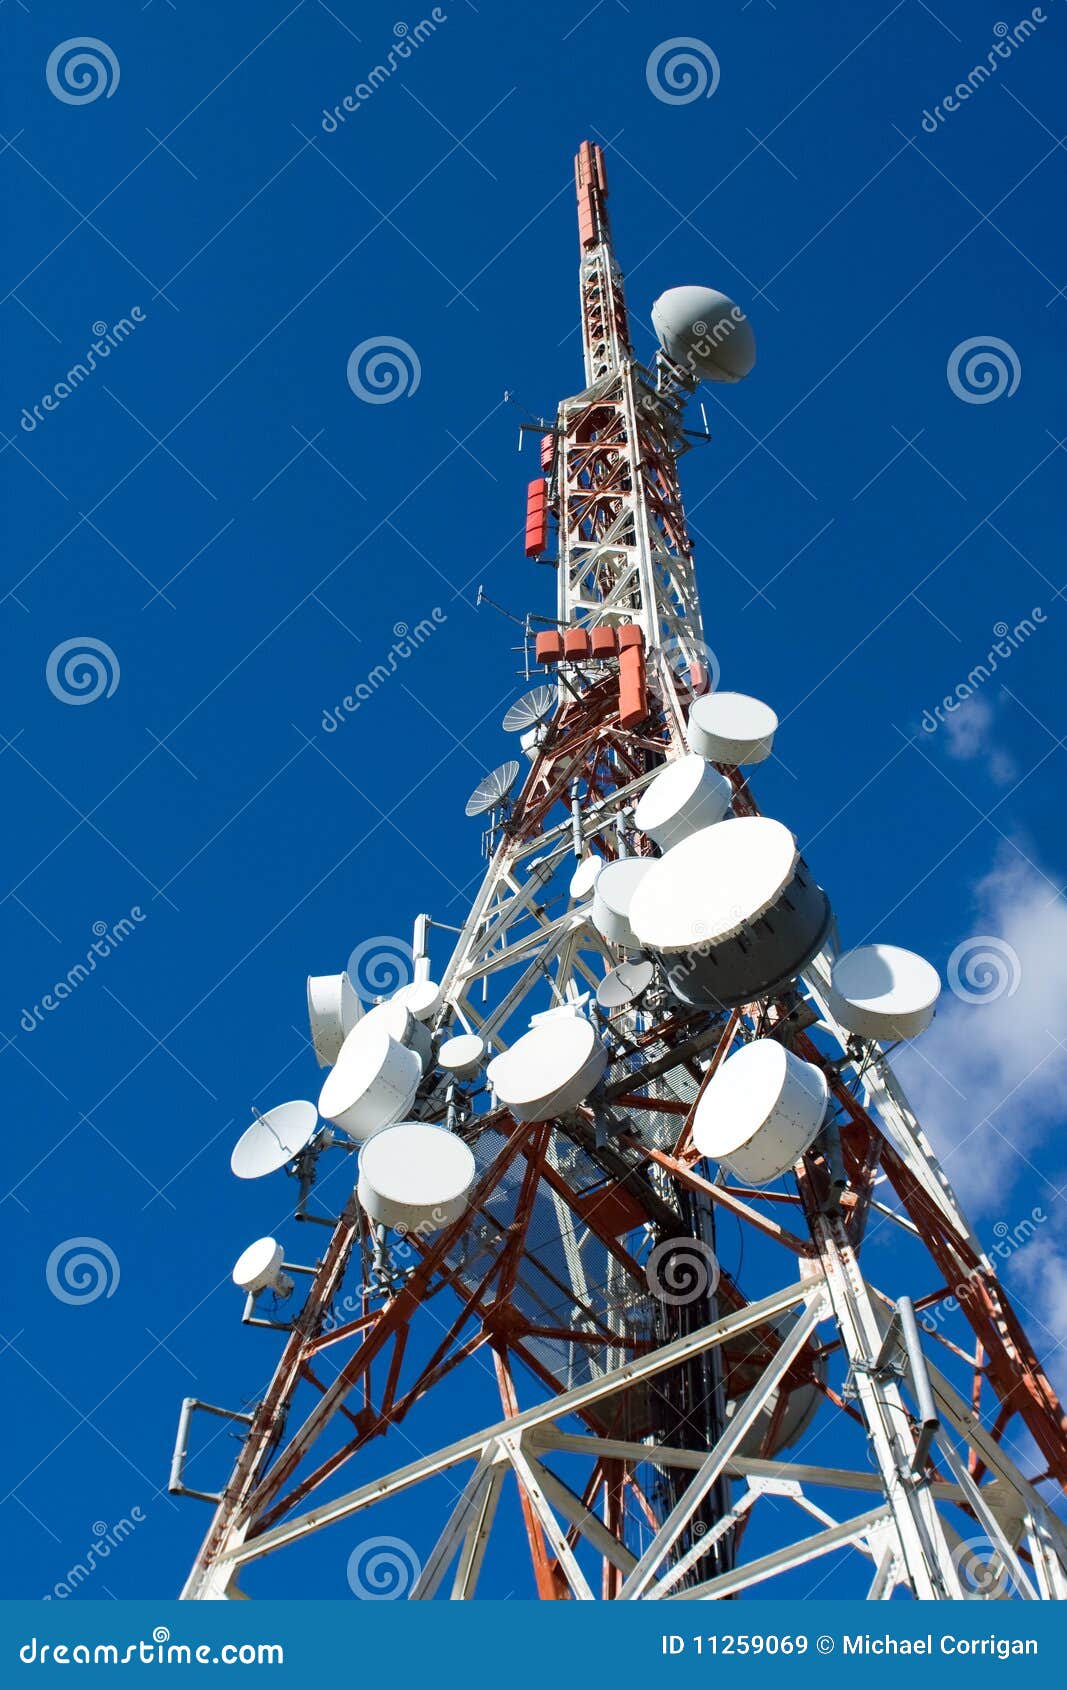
<point>647,1035</point>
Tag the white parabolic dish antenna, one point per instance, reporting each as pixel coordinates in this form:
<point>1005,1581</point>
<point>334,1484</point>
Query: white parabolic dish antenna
<point>625,984</point>
<point>550,1070</point>
<point>684,797</point>
<point>883,992</point>
<point>274,1139</point>
<point>761,1111</point>
<point>526,712</point>
<point>462,1055</point>
<point>616,888</point>
<point>422,997</point>
<point>585,876</point>
<point>402,1025</point>
<point>333,1010</point>
<point>730,727</point>
<point>259,1266</point>
<point>492,790</point>
<point>704,333</point>
<point>374,1082</point>
<point>713,884</point>
<point>415,1175</point>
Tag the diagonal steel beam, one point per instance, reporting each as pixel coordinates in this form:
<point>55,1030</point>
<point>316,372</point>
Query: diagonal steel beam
<point>645,1367</point>
<point>741,1421</point>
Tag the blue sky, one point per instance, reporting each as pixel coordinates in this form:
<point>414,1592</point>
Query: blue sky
<point>218,508</point>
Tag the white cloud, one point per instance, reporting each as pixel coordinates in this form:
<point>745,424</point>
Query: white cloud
<point>989,1084</point>
<point>1040,1270</point>
<point>989,1080</point>
<point>968,733</point>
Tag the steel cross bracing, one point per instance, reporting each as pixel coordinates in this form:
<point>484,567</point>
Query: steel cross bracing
<point>644,1434</point>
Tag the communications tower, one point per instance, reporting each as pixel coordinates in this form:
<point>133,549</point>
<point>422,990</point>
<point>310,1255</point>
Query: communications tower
<point>631,1139</point>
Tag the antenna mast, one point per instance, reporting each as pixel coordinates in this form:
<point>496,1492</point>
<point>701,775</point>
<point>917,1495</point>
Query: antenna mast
<point>644,1035</point>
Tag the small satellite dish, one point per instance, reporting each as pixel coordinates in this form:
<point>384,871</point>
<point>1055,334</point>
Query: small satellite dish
<point>401,1024</point>
<point>549,1070</point>
<point>374,1081</point>
<point>422,998</point>
<point>730,727</point>
<point>532,740</point>
<point>530,710</point>
<point>463,1055</point>
<point>686,795</point>
<point>761,1111</point>
<point>616,886</point>
<point>883,992</point>
<point>585,875</point>
<point>259,1268</point>
<point>624,985</point>
<point>333,1010</point>
<point>492,790</point>
<point>274,1139</point>
<point>416,1176</point>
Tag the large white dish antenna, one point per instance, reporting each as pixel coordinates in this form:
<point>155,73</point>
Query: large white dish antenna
<point>730,727</point>
<point>374,1082</point>
<point>615,889</point>
<point>260,1266</point>
<point>624,985</point>
<point>704,333</point>
<point>530,710</point>
<point>732,912</point>
<point>402,1025</point>
<point>684,797</point>
<point>274,1139</point>
<point>585,876</point>
<point>492,790</point>
<point>550,1070</point>
<point>883,992</point>
<point>761,1111</point>
<point>333,1010</point>
<point>713,884</point>
<point>462,1055</point>
<point>415,1176</point>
